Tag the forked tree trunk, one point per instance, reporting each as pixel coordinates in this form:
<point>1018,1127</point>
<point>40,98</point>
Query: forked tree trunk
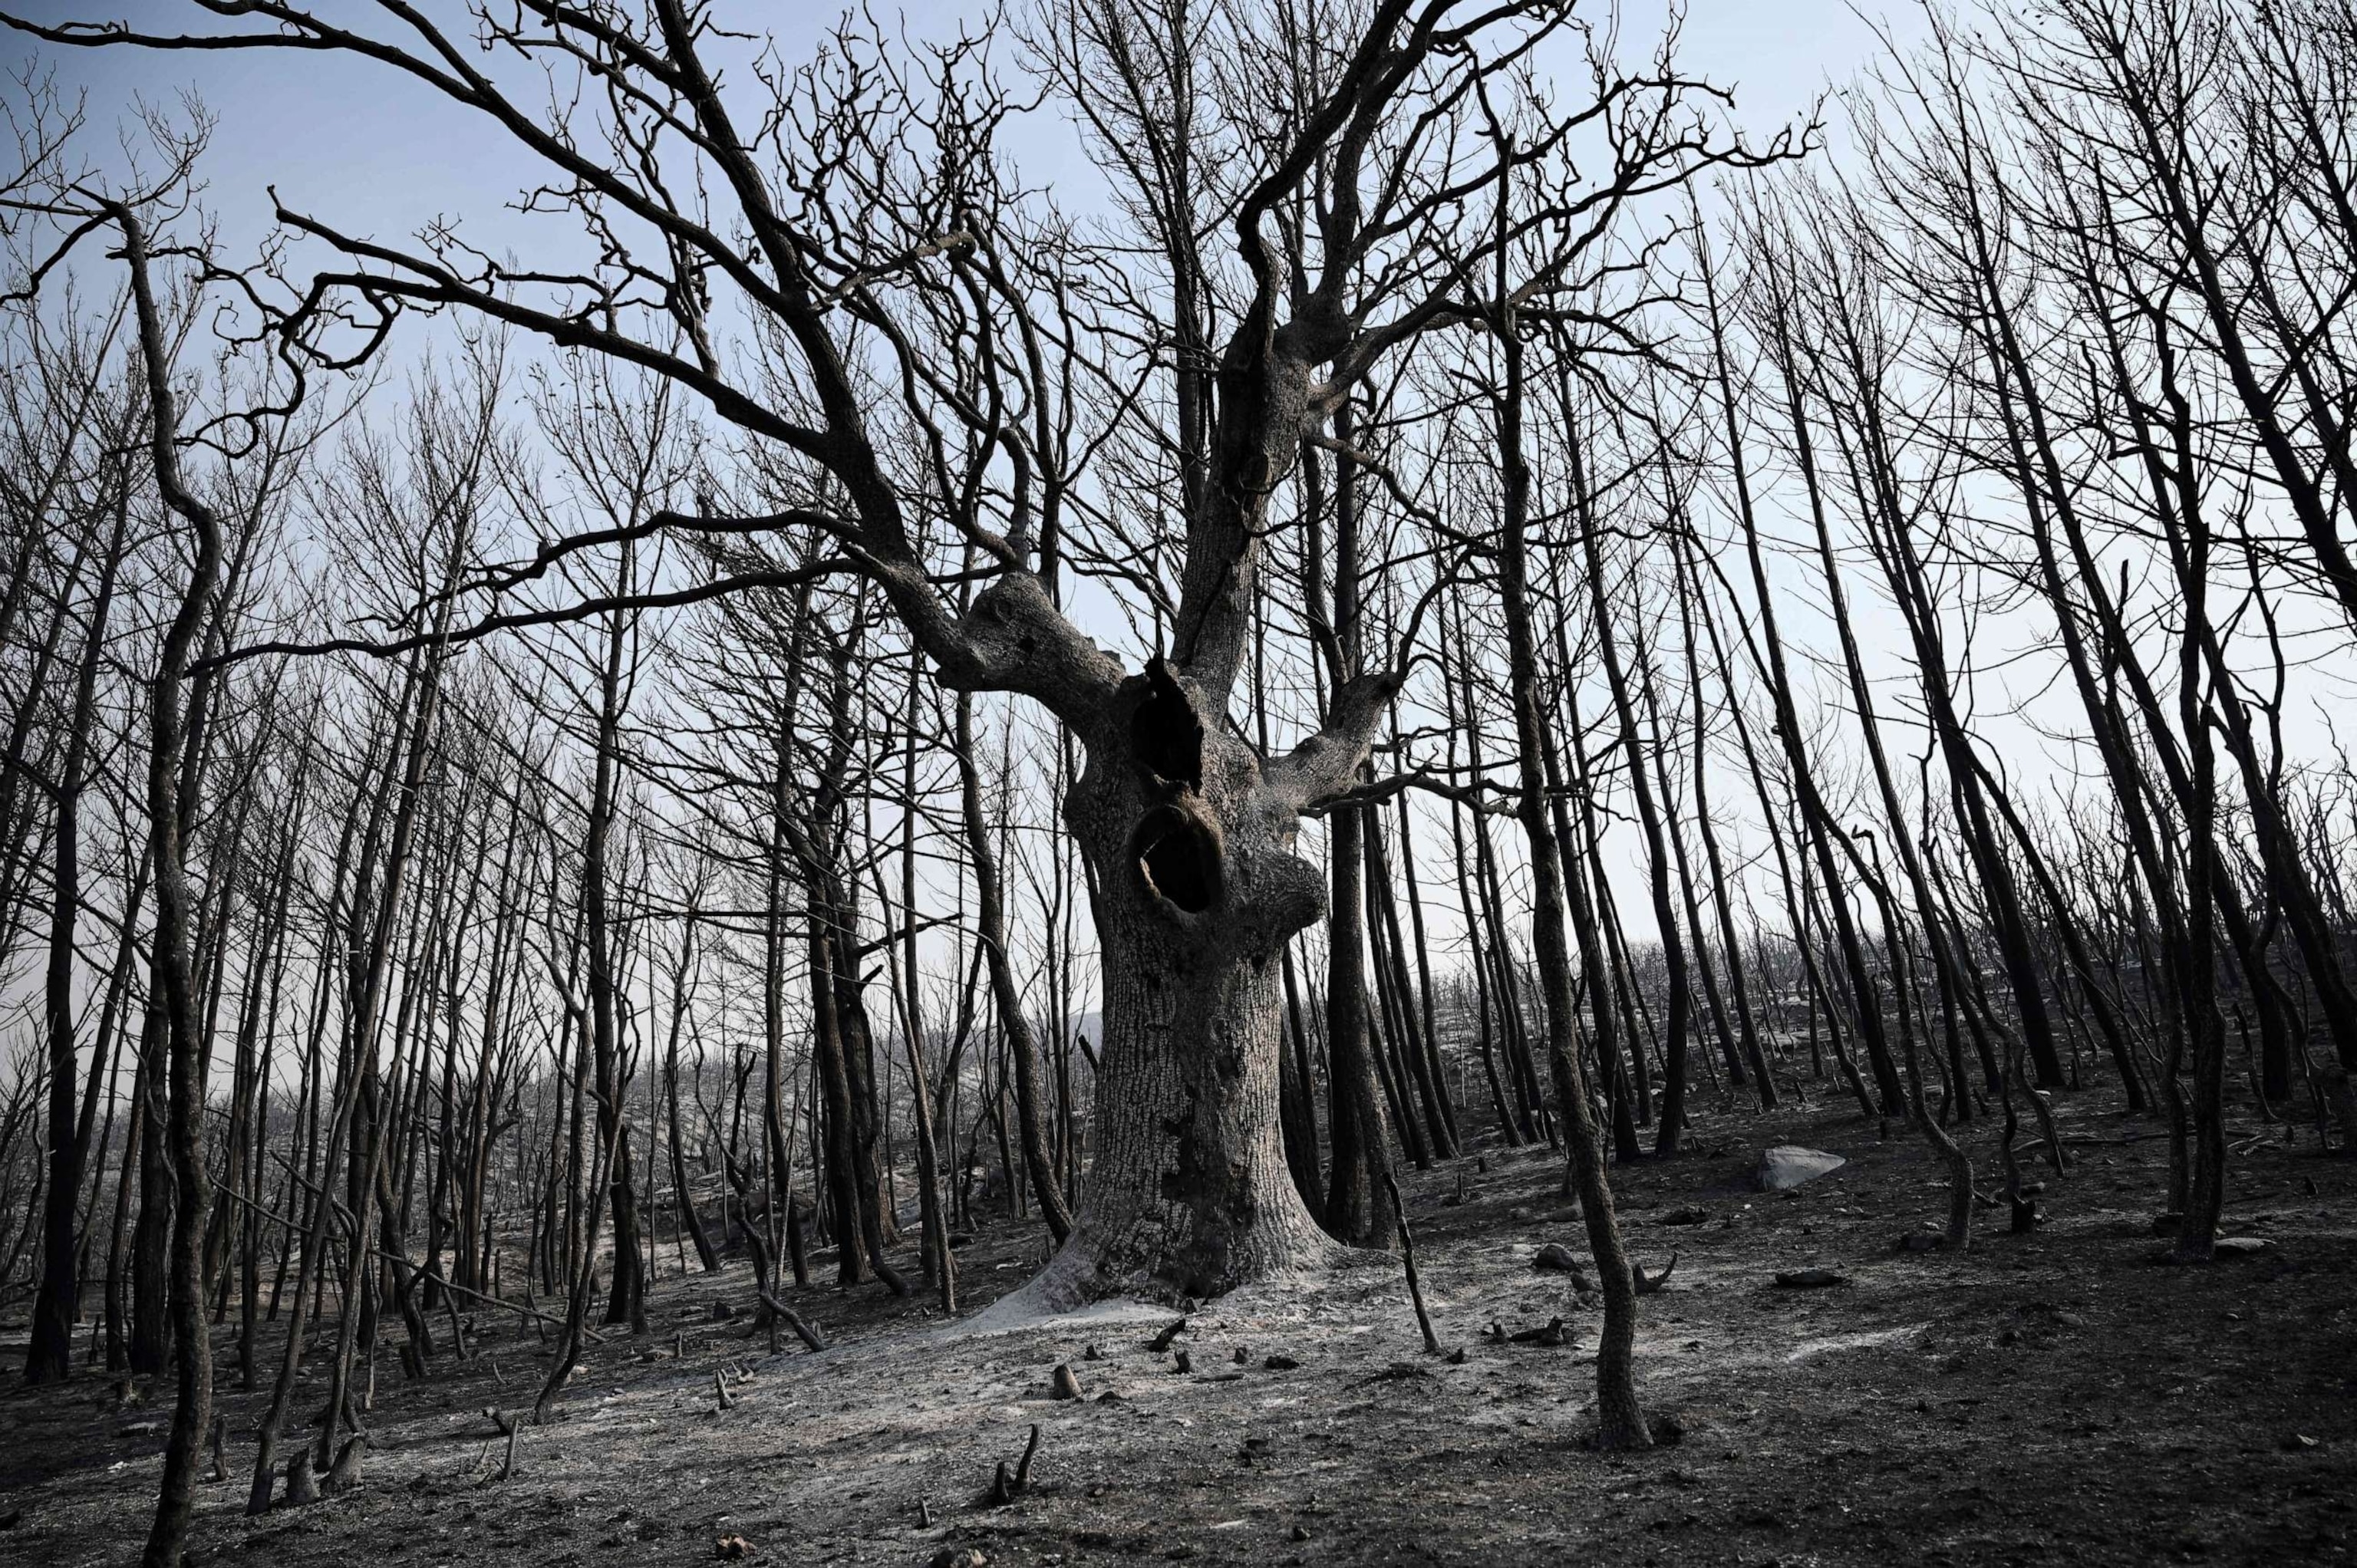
<point>1197,890</point>
<point>705,1252</point>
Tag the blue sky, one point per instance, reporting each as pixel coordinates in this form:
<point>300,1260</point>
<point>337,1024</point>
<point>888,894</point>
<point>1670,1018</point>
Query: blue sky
<point>358,146</point>
<point>354,144</point>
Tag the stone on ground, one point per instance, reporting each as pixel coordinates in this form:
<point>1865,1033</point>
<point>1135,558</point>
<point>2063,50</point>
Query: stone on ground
<point>1787,1165</point>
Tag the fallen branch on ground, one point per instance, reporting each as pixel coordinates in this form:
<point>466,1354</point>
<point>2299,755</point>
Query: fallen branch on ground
<point>808,1333</point>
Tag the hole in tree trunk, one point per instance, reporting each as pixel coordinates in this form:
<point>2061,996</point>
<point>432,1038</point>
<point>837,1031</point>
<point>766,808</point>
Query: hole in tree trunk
<point>1165,736</point>
<point>1178,857</point>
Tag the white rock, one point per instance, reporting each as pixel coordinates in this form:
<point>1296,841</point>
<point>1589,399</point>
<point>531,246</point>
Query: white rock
<point>1787,1165</point>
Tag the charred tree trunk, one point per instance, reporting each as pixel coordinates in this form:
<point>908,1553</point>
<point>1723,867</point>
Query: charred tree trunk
<point>49,1358</point>
<point>1189,835</point>
<point>171,809</point>
<point>1620,1420</point>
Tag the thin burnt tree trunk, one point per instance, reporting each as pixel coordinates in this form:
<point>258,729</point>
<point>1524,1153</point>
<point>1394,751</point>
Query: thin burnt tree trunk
<point>1620,1420</point>
<point>58,1304</point>
<point>171,812</point>
<point>1015,1027</point>
<point>1670,1132</point>
<point>1358,1201</point>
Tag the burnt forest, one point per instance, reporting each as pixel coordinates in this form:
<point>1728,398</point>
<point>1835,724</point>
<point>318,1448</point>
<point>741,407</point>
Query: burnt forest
<point>982,783</point>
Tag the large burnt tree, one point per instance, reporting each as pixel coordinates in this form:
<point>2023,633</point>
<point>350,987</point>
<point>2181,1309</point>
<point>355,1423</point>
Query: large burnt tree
<point>836,262</point>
